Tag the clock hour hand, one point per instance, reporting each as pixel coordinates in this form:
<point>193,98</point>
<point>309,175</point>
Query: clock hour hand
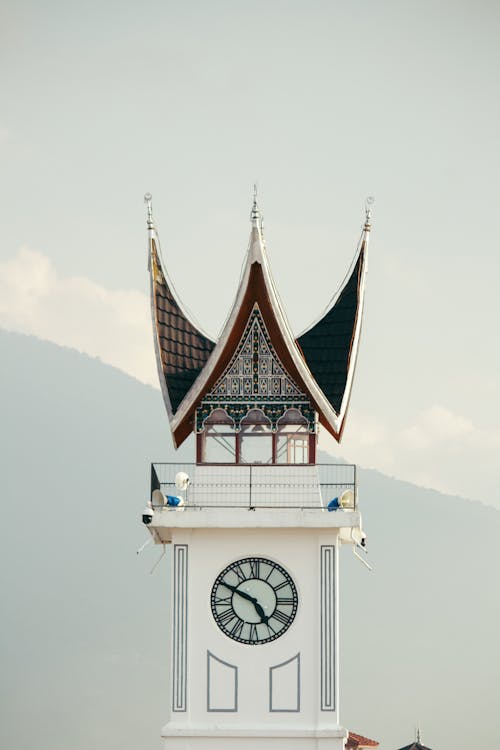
<point>263,617</point>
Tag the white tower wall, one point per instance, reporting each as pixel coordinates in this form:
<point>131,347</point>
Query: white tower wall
<point>227,694</point>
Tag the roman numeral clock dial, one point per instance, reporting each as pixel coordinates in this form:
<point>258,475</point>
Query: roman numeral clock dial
<point>254,600</point>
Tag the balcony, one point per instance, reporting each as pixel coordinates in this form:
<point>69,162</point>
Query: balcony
<point>254,486</point>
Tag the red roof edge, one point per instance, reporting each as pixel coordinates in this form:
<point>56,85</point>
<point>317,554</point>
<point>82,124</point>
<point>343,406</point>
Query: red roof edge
<point>357,740</point>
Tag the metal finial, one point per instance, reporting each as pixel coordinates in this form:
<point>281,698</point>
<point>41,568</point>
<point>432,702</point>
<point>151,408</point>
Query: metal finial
<point>148,200</point>
<point>254,215</point>
<point>418,735</point>
<point>370,200</point>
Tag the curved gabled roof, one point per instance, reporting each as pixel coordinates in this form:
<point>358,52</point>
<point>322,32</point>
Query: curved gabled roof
<point>321,362</point>
<point>181,349</point>
<point>330,346</point>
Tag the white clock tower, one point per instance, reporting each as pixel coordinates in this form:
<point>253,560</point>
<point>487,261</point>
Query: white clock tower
<point>255,524</point>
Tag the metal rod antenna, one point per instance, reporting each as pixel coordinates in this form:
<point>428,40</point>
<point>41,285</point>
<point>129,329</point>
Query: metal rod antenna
<point>367,565</point>
<point>148,200</point>
<point>148,541</point>
<point>158,561</point>
<point>370,200</point>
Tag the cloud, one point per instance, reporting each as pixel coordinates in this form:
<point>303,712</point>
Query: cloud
<point>73,311</point>
<point>438,448</point>
<point>439,426</point>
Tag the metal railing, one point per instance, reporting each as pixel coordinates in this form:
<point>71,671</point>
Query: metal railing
<point>256,485</point>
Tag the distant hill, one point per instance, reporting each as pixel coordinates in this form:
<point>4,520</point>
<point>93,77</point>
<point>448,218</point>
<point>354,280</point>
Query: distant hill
<point>83,621</point>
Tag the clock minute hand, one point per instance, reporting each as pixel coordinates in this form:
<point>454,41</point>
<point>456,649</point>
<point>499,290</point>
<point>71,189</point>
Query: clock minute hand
<point>263,617</point>
<point>234,589</point>
<point>243,594</point>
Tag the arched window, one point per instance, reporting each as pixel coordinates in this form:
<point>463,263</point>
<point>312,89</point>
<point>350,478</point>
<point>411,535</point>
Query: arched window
<point>256,439</point>
<point>292,445</point>
<point>219,439</point>
<point>255,442</point>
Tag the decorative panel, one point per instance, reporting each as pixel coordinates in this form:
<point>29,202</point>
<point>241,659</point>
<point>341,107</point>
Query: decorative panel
<point>255,357</point>
<point>222,685</point>
<point>327,628</point>
<point>180,625</point>
<point>284,686</point>
<point>255,378</point>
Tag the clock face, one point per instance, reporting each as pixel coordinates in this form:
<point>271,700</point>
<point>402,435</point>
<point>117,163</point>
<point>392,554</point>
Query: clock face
<point>254,600</point>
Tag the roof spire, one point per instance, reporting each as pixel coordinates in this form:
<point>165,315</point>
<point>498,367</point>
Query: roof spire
<point>370,200</point>
<point>148,200</point>
<point>255,215</point>
<point>418,735</point>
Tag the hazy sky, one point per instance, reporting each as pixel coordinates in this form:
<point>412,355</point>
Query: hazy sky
<point>322,103</point>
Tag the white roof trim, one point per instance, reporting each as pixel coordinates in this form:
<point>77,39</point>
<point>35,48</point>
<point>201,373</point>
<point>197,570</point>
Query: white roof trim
<point>254,255</point>
<point>362,245</point>
<point>359,322</point>
<point>159,364</point>
<point>153,235</point>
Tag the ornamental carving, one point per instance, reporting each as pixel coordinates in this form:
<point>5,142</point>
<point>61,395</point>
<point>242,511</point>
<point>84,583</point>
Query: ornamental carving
<point>255,378</point>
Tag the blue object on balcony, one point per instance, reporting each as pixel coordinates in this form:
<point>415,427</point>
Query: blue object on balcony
<point>333,504</point>
<point>173,500</point>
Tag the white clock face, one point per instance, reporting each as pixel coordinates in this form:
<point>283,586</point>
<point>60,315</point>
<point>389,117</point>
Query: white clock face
<point>254,600</point>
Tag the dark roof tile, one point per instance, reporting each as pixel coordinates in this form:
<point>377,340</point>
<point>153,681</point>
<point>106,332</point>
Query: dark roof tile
<point>327,345</point>
<point>184,349</point>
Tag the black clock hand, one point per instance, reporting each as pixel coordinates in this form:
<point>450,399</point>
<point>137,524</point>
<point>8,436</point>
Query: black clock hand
<point>243,594</point>
<point>234,589</point>
<point>263,617</point>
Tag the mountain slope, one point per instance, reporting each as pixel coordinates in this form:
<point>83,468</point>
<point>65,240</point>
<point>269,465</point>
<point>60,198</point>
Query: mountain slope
<point>420,633</point>
<point>83,626</point>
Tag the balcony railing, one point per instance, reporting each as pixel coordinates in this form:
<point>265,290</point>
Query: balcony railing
<point>256,485</point>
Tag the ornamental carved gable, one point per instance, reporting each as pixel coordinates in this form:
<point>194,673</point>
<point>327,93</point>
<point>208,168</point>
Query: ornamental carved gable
<point>255,378</point>
<point>255,371</point>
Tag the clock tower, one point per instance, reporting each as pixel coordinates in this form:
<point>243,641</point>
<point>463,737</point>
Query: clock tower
<point>255,525</point>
